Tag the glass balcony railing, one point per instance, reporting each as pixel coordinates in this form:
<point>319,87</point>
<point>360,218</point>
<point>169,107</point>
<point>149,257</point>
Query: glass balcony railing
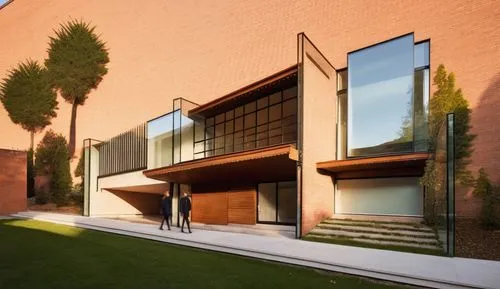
<point>170,136</point>
<point>175,137</point>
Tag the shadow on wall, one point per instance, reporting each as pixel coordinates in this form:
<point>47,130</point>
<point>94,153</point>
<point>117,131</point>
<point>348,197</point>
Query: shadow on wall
<point>485,119</point>
<point>145,203</point>
<point>472,240</point>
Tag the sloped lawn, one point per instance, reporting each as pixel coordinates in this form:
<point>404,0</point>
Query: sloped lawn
<point>43,255</point>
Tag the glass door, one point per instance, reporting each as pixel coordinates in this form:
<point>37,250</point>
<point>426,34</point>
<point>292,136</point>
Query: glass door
<point>277,203</point>
<point>287,202</point>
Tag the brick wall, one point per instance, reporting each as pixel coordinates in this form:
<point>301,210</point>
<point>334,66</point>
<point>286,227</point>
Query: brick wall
<point>12,181</point>
<point>202,50</point>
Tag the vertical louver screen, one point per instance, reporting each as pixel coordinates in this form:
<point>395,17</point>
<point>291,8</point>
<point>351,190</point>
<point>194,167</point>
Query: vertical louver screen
<point>124,152</point>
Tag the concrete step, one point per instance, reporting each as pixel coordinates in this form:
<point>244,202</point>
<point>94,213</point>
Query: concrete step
<point>383,243</point>
<point>374,236</point>
<point>377,224</point>
<point>378,230</point>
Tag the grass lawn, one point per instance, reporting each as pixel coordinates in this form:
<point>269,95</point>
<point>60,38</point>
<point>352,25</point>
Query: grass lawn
<point>43,255</point>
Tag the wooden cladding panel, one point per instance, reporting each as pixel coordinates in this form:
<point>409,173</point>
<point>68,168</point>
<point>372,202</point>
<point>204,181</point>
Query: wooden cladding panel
<point>242,206</point>
<point>210,208</point>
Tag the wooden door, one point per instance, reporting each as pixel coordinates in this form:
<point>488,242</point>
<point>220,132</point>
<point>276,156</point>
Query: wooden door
<point>242,206</point>
<point>210,208</point>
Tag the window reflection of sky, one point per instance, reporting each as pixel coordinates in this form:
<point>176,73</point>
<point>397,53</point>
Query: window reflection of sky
<point>165,124</point>
<point>160,125</point>
<point>380,90</point>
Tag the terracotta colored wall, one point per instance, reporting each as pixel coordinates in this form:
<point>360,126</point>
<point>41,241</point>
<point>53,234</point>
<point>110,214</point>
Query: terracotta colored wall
<point>319,137</point>
<point>12,181</point>
<point>202,50</point>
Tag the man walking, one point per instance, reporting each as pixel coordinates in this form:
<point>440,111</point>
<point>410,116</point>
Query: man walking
<point>166,209</point>
<point>185,209</point>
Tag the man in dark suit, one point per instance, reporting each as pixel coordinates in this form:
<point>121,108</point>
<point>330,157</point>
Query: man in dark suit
<point>166,209</point>
<point>185,207</point>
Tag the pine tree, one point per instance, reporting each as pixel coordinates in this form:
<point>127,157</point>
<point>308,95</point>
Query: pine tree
<point>28,98</point>
<point>76,65</point>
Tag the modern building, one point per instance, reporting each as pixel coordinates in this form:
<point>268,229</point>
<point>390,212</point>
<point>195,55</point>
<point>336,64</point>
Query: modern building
<point>346,144</point>
<point>294,148</point>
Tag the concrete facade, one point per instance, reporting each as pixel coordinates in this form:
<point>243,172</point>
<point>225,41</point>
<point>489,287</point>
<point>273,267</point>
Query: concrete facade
<point>13,181</point>
<point>161,50</point>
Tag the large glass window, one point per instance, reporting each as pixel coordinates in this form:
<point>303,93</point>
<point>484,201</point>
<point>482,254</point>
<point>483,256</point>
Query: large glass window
<point>421,96</point>
<point>380,87</point>
<point>277,203</point>
<point>270,120</point>
<point>383,99</point>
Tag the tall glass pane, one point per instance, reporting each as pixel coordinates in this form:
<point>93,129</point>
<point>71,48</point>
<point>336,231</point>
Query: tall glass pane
<point>177,136</point>
<point>342,126</point>
<point>380,98</point>
<point>420,107</point>
<point>440,194</point>
<point>450,179</point>
<point>287,202</point>
<point>187,127</point>
<point>160,133</point>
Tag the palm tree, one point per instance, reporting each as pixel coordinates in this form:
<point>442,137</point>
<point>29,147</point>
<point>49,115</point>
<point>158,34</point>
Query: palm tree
<point>76,65</point>
<point>28,98</point>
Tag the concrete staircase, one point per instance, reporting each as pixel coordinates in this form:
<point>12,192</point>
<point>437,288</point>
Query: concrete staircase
<point>403,236</point>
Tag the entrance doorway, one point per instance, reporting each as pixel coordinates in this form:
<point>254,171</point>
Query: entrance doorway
<point>277,203</point>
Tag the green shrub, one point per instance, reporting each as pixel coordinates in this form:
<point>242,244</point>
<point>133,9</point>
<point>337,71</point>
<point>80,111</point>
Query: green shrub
<point>488,192</point>
<point>76,196</point>
<point>42,197</point>
<point>52,158</point>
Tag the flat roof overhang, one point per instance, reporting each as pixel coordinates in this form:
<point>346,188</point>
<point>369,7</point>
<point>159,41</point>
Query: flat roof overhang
<point>283,78</point>
<point>385,166</point>
<point>147,189</point>
<point>269,164</point>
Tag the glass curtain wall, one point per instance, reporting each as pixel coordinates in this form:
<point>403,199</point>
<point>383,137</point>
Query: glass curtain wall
<point>170,137</point>
<point>267,121</point>
<point>383,99</point>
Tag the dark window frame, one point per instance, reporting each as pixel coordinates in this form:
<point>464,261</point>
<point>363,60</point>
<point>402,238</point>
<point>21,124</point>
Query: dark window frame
<point>210,124</point>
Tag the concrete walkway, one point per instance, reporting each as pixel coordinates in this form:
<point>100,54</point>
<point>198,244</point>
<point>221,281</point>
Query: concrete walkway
<point>416,269</point>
